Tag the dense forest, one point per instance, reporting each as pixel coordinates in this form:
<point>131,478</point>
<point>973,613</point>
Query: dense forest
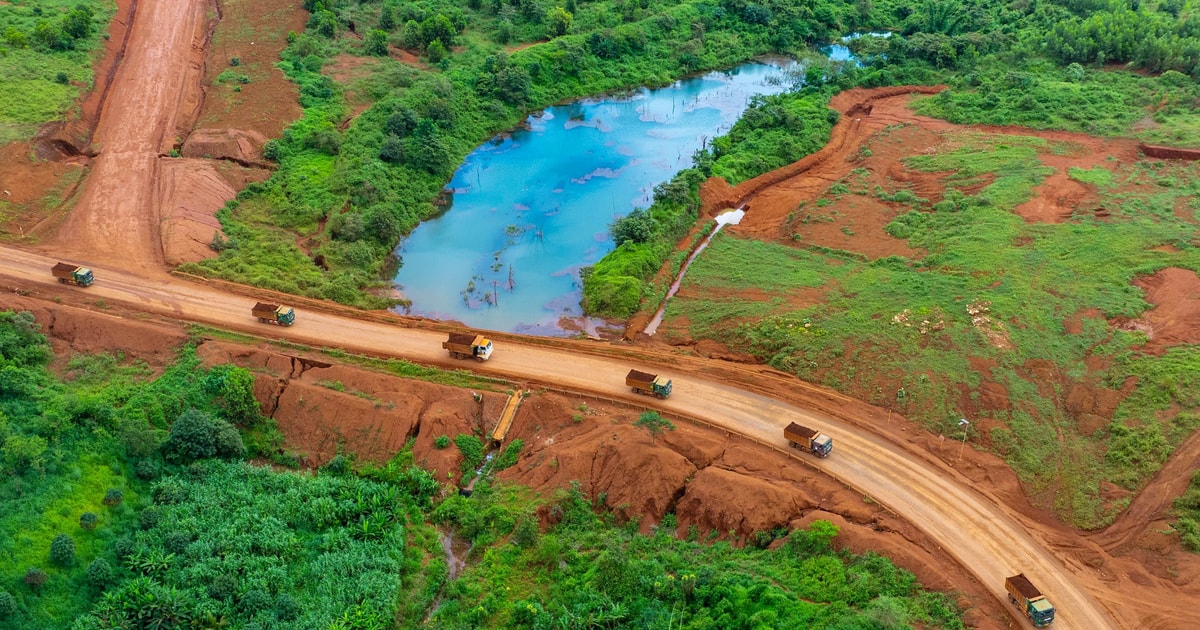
<point>129,500</point>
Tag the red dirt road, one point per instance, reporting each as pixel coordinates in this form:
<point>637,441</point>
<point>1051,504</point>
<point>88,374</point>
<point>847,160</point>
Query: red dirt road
<point>150,101</point>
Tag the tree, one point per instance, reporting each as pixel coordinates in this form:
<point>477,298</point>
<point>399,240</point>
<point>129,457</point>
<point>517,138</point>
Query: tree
<point>48,37</point>
<point>387,17</point>
<point>435,51</point>
<point>558,21</point>
<point>437,28</point>
<point>377,43</point>
<point>113,497</point>
<point>391,152</point>
<point>654,424</point>
<point>402,121</point>
<point>88,520</point>
<point>8,604</point>
<point>635,227</point>
<point>234,389</point>
<point>324,23</point>
<point>35,578</point>
<point>78,23</point>
<point>16,37</point>
<point>62,550</point>
<point>22,453</point>
<point>196,435</point>
<point>99,574</point>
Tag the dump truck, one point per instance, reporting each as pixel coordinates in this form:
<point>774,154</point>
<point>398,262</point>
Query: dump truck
<point>650,384</point>
<point>807,439</point>
<point>274,314</point>
<point>468,345</point>
<point>72,274</point>
<point>1029,600</point>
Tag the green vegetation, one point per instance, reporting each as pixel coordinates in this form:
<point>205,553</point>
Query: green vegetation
<point>586,571</point>
<point>904,334</point>
<point>1043,96</point>
<point>46,53</point>
<point>141,460</point>
<point>1187,510</point>
<point>350,195</point>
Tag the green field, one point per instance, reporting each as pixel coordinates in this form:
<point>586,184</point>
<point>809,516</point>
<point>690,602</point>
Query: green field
<point>900,333</point>
<point>46,53</point>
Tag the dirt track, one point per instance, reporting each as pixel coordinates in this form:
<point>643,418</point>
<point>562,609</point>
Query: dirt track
<point>153,98</point>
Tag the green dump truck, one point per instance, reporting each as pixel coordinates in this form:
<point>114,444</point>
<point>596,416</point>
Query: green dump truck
<point>72,274</point>
<point>274,314</point>
<point>1029,600</point>
<point>649,384</point>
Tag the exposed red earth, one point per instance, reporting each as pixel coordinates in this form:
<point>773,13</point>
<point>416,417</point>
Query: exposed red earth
<point>893,487</point>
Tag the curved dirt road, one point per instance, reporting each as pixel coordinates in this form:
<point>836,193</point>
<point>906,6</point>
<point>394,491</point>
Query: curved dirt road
<point>980,535</point>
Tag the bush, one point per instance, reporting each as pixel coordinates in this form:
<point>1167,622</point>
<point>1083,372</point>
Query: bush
<point>195,435</point>
<point>146,469</point>
<point>8,604</point>
<point>99,574</point>
<point>35,578</point>
<point>441,442</point>
<point>471,449</point>
<point>286,608</point>
<point>62,550</point>
<point>88,521</point>
<point>62,78</point>
<point>113,497</point>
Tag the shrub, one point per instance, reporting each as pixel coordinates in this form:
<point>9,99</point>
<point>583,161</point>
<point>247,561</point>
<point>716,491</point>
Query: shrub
<point>88,521</point>
<point>195,435</point>
<point>99,574</point>
<point>286,608</point>
<point>62,550</point>
<point>146,469</point>
<point>253,601</point>
<point>377,43</point>
<point>441,442</point>
<point>235,61</point>
<point>35,578</point>
<point>471,449</point>
<point>113,497</point>
<point>8,604</point>
<point>62,78</point>
<point>339,465</point>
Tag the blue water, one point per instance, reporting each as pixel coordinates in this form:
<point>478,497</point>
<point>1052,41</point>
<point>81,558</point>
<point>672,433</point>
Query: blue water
<point>532,207</point>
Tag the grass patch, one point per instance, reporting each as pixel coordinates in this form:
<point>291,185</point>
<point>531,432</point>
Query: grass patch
<point>901,333</point>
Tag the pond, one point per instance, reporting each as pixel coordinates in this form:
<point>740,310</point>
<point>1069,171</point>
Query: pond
<point>532,207</point>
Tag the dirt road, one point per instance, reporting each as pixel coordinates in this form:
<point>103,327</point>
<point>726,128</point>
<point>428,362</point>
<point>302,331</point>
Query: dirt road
<point>152,101</point>
<point>967,525</point>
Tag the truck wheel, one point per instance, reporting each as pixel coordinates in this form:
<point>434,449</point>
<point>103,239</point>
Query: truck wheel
<point>62,281</point>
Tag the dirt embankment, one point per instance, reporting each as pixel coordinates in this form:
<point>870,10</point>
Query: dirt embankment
<point>710,480</point>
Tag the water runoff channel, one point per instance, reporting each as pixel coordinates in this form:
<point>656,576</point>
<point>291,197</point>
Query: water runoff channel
<point>532,207</point>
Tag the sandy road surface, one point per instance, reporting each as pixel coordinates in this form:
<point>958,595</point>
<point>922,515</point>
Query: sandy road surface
<point>118,213</point>
<point>966,525</point>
